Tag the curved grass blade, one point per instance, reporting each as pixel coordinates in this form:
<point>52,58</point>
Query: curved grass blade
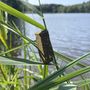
<point>60,71</point>
<point>13,49</point>
<point>15,30</point>
<point>2,71</point>
<point>33,73</point>
<point>60,80</point>
<point>83,82</point>
<point>3,31</point>
<point>18,14</point>
<point>8,82</point>
<point>17,61</point>
<point>31,7</point>
<point>68,59</point>
<point>3,40</point>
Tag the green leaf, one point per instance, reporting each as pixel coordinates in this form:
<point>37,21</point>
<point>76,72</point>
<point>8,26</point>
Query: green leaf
<point>8,82</point>
<point>7,26</point>
<point>17,61</point>
<point>60,80</point>
<point>60,71</point>
<point>31,7</point>
<point>13,49</point>
<point>18,14</point>
<point>3,40</point>
<point>3,31</point>
<point>67,86</point>
<point>82,82</point>
<point>67,59</point>
<point>15,30</point>
<point>33,73</point>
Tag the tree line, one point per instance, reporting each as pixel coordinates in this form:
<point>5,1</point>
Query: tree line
<point>52,8</point>
<point>56,8</point>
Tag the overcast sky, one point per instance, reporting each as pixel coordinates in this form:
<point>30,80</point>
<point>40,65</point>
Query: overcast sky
<point>64,2</point>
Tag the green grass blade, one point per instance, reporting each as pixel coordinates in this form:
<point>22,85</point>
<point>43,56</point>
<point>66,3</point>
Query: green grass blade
<point>20,15</point>
<point>81,83</point>
<point>15,30</point>
<point>33,73</point>
<point>65,78</point>
<point>68,59</point>
<point>61,70</point>
<point>31,7</point>
<point>3,31</point>
<point>2,71</point>
<point>17,61</point>
<point>7,26</point>
<point>45,71</point>
<point>13,49</point>
<point>8,82</point>
<point>3,40</point>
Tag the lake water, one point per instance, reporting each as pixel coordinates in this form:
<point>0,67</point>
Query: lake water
<point>69,33</point>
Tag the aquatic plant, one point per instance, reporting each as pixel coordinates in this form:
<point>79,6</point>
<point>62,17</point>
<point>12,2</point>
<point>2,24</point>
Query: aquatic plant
<point>28,72</point>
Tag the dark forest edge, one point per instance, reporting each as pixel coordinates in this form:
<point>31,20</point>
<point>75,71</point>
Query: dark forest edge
<point>78,8</point>
<point>57,8</point>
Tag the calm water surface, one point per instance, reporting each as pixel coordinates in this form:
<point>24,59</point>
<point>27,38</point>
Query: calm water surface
<point>69,33</point>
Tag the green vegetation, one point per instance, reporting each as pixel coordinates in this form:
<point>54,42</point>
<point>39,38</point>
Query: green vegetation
<point>28,72</point>
<point>78,8</point>
<point>14,3</point>
<point>51,8</point>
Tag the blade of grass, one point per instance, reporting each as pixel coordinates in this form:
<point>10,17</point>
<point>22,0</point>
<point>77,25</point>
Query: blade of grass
<point>81,83</point>
<point>3,72</point>
<point>68,59</point>
<point>60,71</point>
<point>20,15</point>
<point>31,7</point>
<point>13,49</point>
<point>16,31</point>
<point>7,26</point>
<point>60,80</point>
<point>17,61</point>
<point>45,71</point>
<point>33,73</point>
<point>8,82</point>
<point>3,31</point>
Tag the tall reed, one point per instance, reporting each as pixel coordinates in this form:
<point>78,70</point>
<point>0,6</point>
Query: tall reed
<point>28,72</point>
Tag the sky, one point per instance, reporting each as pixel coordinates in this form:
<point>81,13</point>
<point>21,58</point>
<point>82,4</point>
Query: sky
<point>64,2</point>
